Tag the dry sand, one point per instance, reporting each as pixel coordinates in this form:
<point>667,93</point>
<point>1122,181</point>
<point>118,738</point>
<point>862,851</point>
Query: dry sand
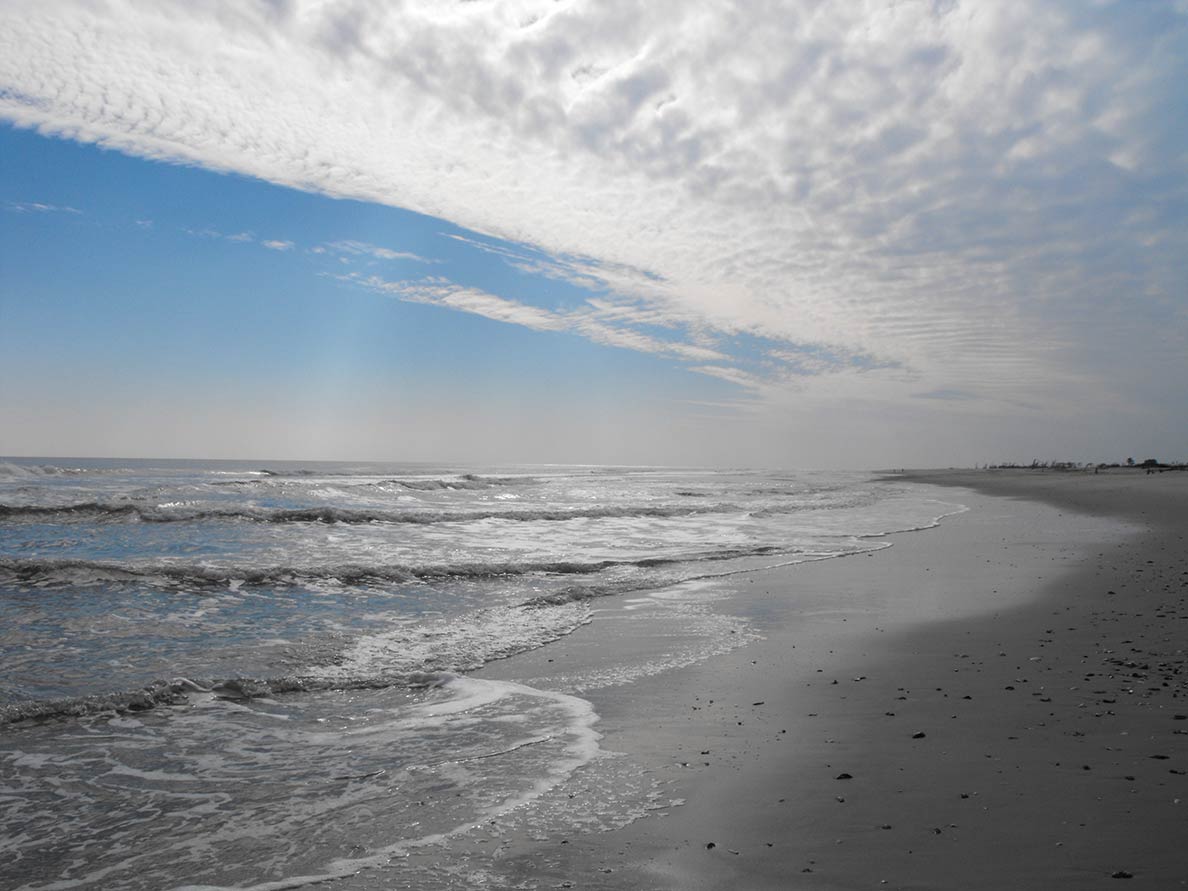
<point>999,703</point>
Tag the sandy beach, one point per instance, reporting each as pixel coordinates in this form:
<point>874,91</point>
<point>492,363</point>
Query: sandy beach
<point>1000,702</point>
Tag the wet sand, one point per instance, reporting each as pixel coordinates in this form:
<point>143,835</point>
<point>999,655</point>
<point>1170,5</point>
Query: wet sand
<point>1001,702</point>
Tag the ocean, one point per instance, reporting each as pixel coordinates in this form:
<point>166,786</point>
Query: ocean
<point>221,674</point>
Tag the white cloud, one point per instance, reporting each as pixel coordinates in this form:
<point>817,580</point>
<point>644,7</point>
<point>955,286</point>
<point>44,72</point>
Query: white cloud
<point>980,194</point>
<point>362,248</point>
<point>273,244</point>
<point>731,375</point>
<point>441,292</point>
<point>39,207</point>
<point>584,272</point>
<point>588,323</point>
<point>209,233</point>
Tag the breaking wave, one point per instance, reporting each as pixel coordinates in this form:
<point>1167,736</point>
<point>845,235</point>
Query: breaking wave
<point>467,481</point>
<point>89,510</point>
<point>66,571</point>
<point>179,690</point>
<point>8,470</point>
<point>98,511</point>
<point>462,481</point>
<point>413,658</point>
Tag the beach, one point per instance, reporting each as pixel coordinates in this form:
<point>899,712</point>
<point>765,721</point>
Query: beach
<point>928,680</point>
<point>451,445</point>
<point>269,675</point>
<point>999,702</point>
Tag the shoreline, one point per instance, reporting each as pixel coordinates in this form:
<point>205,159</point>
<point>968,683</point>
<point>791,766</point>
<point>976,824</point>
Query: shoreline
<point>974,682</point>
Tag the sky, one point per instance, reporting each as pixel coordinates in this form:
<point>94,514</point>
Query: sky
<point>794,234</point>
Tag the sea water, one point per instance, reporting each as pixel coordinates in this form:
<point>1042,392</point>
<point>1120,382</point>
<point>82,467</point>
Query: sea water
<point>238,675</point>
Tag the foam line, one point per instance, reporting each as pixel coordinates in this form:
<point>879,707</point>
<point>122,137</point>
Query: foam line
<point>581,749</point>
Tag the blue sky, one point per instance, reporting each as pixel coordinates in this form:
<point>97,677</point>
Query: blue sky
<point>819,235</point>
<point>151,267</point>
<point>184,286</point>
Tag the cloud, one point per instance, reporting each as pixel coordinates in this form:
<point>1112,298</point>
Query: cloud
<point>985,196</point>
<point>272,244</point>
<point>362,248</point>
<point>588,323</point>
<point>730,375</point>
<point>209,233</point>
<point>581,271</point>
<point>441,292</point>
<point>39,207</point>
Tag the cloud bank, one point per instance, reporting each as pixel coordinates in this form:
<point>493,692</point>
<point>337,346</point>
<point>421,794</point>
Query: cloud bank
<point>947,202</point>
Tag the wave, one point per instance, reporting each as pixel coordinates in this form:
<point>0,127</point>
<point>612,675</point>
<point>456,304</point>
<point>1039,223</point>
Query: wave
<point>84,510</point>
<point>68,571</point>
<point>465,481</point>
<point>179,691</point>
<point>424,656</point>
<point>418,657</point>
<point>184,513</point>
<point>8,470</point>
<point>73,571</point>
<point>97,511</point>
<point>462,481</point>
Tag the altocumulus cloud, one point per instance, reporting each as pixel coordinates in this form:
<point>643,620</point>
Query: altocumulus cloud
<point>976,193</point>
